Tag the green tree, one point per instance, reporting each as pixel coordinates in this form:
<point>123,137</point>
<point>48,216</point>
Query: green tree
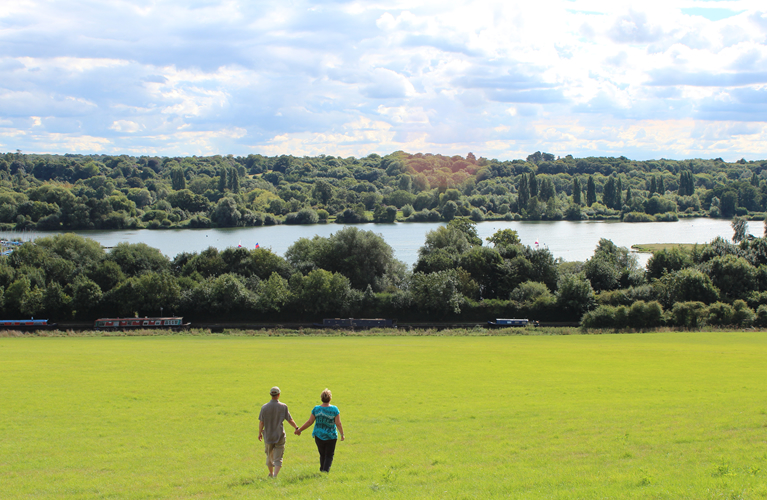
<point>533,183</point>
<point>86,296</point>
<point>361,256</point>
<point>226,213</point>
<point>324,292</point>
<point>15,293</point>
<point>138,258</point>
<point>468,228</point>
<point>666,261</point>
<point>229,294</point>
<point>222,179</point>
<point>576,190</point>
<point>504,237</point>
<point>437,293</point>
<point>733,276</point>
<point>608,193</point>
<point>591,192</point>
<point>686,285</point>
<point>178,180</point>
<point>273,294</point>
<point>740,228</point>
<point>158,290</point>
<point>449,211</point>
<point>523,196</point>
<point>233,181</point>
<point>547,189</point>
<point>574,294</point>
<point>56,303</point>
<point>322,191</point>
<point>485,266</point>
<point>688,314</point>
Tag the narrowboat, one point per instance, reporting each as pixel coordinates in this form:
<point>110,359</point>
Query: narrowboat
<point>171,322</point>
<point>26,324</point>
<point>504,322</point>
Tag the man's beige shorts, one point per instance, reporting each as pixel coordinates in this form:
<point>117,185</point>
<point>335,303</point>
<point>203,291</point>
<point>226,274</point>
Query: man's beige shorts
<point>274,452</point>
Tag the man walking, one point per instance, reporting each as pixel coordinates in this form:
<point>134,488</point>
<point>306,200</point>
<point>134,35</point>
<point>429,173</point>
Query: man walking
<point>271,430</point>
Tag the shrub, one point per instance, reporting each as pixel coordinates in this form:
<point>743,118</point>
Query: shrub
<point>761,316</point>
<point>645,315</point>
<point>689,314</point>
<point>477,215</point>
<point>742,315</point>
<point>720,314</point>
<point>303,216</point>
<point>638,217</point>
<point>667,217</point>
<point>607,317</point>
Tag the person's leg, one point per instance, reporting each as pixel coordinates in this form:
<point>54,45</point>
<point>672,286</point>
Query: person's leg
<point>268,448</point>
<point>330,450</point>
<point>277,453</point>
<point>321,450</point>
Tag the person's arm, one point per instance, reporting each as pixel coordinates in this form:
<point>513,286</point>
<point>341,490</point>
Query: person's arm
<point>307,424</point>
<point>340,427</point>
<point>260,429</point>
<point>293,423</point>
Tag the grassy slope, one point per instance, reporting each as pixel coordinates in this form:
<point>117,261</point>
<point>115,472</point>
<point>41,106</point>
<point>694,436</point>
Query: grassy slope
<point>669,415</point>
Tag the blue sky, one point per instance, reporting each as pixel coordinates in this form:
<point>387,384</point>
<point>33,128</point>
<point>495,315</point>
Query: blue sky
<point>672,79</point>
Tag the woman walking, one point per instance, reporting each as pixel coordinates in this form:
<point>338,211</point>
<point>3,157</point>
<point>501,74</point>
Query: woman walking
<point>325,418</point>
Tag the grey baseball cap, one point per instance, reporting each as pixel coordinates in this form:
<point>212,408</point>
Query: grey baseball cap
<point>275,390</point>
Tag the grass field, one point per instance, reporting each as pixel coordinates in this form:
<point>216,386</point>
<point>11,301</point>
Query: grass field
<point>666,415</point>
<point>656,247</point>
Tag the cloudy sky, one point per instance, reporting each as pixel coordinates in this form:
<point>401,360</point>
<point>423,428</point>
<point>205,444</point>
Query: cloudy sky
<point>673,79</point>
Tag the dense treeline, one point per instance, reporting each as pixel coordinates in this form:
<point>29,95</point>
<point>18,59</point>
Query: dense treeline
<point>52,192</point>
<point>353,273</point>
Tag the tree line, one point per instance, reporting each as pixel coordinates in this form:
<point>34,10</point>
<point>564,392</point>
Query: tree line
<point>353,272</point>
<point>60,192</point>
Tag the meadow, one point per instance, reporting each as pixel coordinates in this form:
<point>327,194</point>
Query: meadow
<point>655,415</point>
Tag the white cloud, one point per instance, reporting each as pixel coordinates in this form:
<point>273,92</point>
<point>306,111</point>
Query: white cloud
<point>352,77</point>
<point>125,126</point>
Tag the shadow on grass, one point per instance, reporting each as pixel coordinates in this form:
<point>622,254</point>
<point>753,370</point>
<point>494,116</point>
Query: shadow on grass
<point>299,478</point>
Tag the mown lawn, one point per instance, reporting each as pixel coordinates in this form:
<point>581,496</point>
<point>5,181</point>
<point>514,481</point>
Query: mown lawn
<point>666,415</point>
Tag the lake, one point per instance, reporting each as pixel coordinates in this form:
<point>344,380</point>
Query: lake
<point>570,240</point>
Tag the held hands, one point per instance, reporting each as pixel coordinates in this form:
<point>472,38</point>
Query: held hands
<point>297,432</point>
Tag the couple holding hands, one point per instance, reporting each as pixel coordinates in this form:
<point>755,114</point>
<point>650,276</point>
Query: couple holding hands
<point>325,417</point>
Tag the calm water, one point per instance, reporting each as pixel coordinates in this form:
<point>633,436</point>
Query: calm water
<point>572,241</point>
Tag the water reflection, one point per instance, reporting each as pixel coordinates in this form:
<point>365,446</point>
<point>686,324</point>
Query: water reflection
<point>572,241</point>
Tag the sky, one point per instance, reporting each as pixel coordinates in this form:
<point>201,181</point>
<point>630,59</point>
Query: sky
<point>646,80</point>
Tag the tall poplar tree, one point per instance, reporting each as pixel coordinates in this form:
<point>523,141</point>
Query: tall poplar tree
<point>576,190</point>
<point>222,179</point>
<point>234,180</point>
<point>523,195</point>
<point>608,193</point>
<point>591,191</point>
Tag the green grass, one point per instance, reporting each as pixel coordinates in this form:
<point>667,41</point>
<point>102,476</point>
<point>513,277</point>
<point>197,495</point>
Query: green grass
<point>656,247</point>
<point>661,415</point>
